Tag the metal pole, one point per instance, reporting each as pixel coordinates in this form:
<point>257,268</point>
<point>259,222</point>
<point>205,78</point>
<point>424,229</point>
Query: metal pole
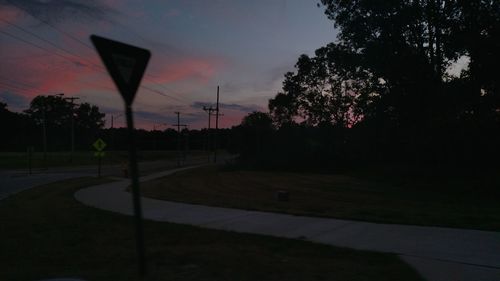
<point>44,136</point>
<point>72,99</point>
<point>134,174</point>
<point>178,138</point>
<point>216,126</point>
<point>99,166</point>
<point>186,143</point>
<point>30,152</point>
<point>112,133</point>
<point>208,133</point>
<point>72,133</point>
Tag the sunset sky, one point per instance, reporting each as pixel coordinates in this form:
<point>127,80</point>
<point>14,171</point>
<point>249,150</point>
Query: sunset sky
<point>243,46</point>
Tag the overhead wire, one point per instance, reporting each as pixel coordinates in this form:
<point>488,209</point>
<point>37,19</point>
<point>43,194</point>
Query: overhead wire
<point>71,60</point>
<point>50,43</point>
<point>90,47</point>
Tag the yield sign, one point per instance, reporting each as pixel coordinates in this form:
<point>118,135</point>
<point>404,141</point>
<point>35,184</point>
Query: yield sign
<point>125,64</point>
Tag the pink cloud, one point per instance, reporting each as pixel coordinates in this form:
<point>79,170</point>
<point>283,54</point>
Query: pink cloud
<point>46,73</point>
<point>198,69</point>
<point>10,14</point>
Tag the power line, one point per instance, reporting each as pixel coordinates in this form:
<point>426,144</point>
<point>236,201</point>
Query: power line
<point>35,45</point>
<point>162,94</point>
<point>51,25</point>
<point>49,42</point>
<point>17,89</point>
<point>82,43</point>
<point>7,79</point>
<point>70,60</point>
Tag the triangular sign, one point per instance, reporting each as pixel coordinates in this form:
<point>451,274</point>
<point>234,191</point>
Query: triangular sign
<point>125,64</point>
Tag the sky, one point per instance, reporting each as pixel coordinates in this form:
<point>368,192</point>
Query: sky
<point>245,47</point>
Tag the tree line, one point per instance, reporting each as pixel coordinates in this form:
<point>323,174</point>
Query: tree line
<point>406,80</point>
<point>49,119</point>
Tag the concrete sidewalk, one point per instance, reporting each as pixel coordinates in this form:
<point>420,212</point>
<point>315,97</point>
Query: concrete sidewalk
<point>438,254</point>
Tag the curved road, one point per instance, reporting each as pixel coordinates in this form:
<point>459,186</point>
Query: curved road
<point>14,181</point>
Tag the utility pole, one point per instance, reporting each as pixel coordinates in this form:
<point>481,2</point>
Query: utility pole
<point>113,131</point>
<point>209,110</point>
<point>216,126</point>
<point>179,125</point>
<point>44,135</point>
<point>185,150</point>
<point>113,118</point>
<point>72,99</point>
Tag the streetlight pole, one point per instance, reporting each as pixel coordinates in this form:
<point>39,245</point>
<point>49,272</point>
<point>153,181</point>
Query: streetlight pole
<point>44,127</point>
<point>44,135</point>
<point>179,125</point>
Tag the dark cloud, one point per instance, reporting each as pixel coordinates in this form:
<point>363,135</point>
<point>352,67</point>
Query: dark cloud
<point>233,106</point>
<point>15,102</point>
<point>168,119</point>
<point>152,116</point>
<point>58,10</point>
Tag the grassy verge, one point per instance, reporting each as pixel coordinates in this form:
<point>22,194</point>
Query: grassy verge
<point>452,202</point>
<point>19,160</point>
<point>45,232</point>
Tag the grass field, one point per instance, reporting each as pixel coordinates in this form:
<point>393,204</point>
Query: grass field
<point>452,202</point>
<point>46,233</point>
<point>19,160</point>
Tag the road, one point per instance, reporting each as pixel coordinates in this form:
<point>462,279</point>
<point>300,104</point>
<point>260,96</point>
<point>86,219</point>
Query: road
<point>14,181</point>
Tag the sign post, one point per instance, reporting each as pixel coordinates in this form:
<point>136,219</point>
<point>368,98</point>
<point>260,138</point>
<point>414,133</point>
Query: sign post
<point>99,146</point>
<point>30,158</point>
<point>126,65</point>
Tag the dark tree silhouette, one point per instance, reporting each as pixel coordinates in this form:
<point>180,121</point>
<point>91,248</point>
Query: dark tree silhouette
<point>329,88</point>
<point>57,112</point>
<point>18,130</point>
<point>386,86</point>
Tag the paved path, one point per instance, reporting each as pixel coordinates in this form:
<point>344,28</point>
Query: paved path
<point>439,254</point>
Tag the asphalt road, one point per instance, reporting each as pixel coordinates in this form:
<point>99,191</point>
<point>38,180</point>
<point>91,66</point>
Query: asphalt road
<point>13,181</point>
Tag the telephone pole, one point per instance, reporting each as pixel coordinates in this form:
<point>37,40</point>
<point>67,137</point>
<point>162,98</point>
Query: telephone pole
<point>72,99</point>
<point>209,110</point>
<point>179,125</point>
<point>113,130</point>
<point>44,135</point>
<point>216,126</point>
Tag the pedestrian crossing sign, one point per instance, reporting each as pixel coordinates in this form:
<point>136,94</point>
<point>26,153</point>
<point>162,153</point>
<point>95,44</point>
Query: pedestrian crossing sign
<point>99,145</point>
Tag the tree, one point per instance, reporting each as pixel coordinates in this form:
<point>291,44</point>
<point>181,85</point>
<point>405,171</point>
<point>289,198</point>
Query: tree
<point>57,112</point>
<point>88,117</point>
<point>258,121</point>
<point>254,135</point>
<point>387,77</point>
<point>18,128</point>
<point>410,43</point>
<point>329,88</point>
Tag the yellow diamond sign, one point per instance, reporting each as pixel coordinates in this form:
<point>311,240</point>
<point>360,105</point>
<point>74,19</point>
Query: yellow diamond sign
<point>99,144</point>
